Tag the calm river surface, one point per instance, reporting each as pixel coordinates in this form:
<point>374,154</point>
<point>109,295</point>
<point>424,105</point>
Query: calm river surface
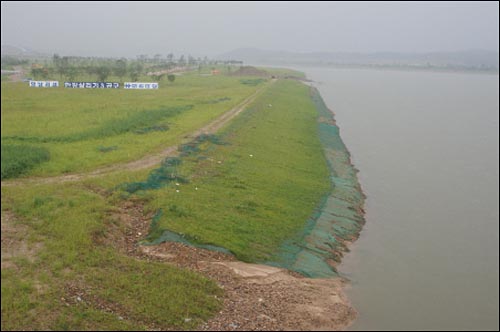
<point>427,148</point>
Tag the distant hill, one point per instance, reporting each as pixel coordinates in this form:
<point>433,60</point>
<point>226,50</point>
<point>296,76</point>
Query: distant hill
<point>17,51</point>
<point>473,59</point>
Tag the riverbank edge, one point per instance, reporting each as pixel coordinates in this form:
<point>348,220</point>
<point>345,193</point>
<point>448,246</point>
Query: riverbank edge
<point>318,248</point>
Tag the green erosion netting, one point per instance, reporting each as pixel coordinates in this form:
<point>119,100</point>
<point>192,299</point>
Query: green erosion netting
<point>139,122</point>
<point>194,146</point>
<point>157,236</point>
<point>339,217</point>
<point>159,177</point>
<point>315,249</point>
<point>165,174</point>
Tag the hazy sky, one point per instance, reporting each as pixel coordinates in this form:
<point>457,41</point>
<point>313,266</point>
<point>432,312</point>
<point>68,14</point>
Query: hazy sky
<point>210,28</point>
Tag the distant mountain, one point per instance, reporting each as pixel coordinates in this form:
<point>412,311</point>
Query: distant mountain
<point>473,59</point>
<point>17,51</point>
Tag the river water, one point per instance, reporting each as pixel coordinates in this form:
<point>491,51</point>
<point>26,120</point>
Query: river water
<point>427,148</point>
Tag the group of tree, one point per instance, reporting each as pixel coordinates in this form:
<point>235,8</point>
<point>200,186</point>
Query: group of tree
<point>72,68</point>
<point>69,67</point>
<point>8,62</point>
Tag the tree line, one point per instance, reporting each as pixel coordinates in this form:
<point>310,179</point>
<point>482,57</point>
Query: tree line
<point>72,67</point>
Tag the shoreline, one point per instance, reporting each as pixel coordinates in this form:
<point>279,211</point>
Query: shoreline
<point>319,247</point>
<point>384,68</point>
<point>302,293</point>
<point>301,289</point>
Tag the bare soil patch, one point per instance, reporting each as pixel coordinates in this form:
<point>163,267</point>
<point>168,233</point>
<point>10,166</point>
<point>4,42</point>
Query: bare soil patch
<point>257,297</point>
<point>14,242</point>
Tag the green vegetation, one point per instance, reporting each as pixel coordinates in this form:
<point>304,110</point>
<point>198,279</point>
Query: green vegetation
<point>72,124</point>
<point>5,78</point>
<point>8,62</point>
<point>159,177</point>
<point>63,222</point>
<point>18,159</point>
<point>94,68</point>
<point>82,130</point>
<point>140,123</point>
<point>257,189</point>
<point>339,217</point>
<point>252,82</point>
<point>218,100</point>
<point>246,190</point>
<point>284,72</point>
<point>107,148</point>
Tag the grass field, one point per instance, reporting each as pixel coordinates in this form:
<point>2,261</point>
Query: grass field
<point>247,194</point>
<point>86,128</point>
<point>57,224</point>
<point>19,159</point>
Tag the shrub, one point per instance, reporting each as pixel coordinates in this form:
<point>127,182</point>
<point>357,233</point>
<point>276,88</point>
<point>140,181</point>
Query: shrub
<point>18,159</point>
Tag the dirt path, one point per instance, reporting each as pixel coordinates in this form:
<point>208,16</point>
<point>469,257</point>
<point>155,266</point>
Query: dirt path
<point>146,161</point>
<point>17,74</point>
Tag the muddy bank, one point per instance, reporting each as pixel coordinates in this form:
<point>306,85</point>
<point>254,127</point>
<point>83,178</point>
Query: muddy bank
<point>319,246</point>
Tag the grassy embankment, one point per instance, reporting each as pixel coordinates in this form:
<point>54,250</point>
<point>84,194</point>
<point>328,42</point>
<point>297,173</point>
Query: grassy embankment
<point>257,188</point>
<point>247,195</point>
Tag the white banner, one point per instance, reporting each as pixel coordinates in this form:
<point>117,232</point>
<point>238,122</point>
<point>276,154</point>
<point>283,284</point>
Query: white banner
<point>92,85</point>
<point>44,84</point>
<point>139,85</point>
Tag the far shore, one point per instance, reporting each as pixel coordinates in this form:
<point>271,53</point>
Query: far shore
<point>404,68</point>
